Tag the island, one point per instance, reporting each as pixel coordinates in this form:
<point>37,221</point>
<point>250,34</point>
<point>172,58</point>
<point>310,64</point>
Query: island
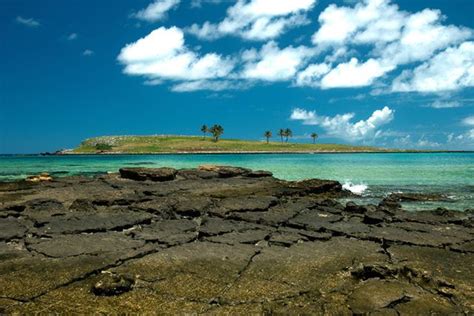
<point>226,240</point>
<point>172,144</point>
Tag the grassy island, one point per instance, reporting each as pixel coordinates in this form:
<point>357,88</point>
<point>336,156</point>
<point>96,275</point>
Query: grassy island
<point>200,144</point>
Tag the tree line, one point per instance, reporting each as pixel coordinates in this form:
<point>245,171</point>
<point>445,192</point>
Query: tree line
<point>285,133</point>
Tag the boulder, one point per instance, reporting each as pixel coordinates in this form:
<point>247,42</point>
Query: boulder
<point>226,171</point>
<point>153,174</point>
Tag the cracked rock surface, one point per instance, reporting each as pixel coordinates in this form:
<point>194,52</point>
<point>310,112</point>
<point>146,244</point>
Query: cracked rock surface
<point>226,240</point>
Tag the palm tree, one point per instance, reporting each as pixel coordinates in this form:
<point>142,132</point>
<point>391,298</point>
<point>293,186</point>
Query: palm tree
<point>267,135</point>
<point>281,133</point>
<point>216,131</point>
<point>314,136</point>
<point>204,130</point>
<point>288,133</point>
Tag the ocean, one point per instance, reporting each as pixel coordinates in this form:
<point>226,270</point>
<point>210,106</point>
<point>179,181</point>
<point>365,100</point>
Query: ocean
<point>372,176</point>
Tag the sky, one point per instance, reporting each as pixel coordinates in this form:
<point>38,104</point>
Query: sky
<point>397,74</point>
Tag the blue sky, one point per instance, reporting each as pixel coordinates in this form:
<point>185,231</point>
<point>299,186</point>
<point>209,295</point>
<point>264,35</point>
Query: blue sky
<point>377,72</point>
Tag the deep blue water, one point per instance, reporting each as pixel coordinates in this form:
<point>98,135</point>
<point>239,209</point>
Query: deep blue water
<point>372,175</point>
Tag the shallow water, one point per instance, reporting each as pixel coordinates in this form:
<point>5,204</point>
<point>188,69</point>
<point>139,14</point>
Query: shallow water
<point>373,176</point>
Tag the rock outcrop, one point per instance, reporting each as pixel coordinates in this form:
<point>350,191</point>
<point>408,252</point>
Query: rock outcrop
<point>226,240</point>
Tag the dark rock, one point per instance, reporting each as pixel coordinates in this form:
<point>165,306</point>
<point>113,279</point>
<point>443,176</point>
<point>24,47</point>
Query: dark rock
<point>153,174</point>
<point>73,245</point>
<point>390,204</point>
<point>112,284</point>
<point>225,171</point>
<point>417,197</point>
<point>259,174</point>
<point>226,240</point>
<point>351,207</point>
<point>317,186</point>
<point>195,174</point>
<point>11,228</point>
<point>82,205</point>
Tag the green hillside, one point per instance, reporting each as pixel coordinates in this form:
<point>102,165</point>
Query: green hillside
<point>197,144</point>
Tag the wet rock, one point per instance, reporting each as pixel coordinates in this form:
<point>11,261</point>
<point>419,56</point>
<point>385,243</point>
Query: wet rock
<point>317,186</point>
<point>417,197</point>
<point>259,174</point>
<point>112,284</point>
<point>153,174</point>
<point>390,204</point>
<point>351,207</point>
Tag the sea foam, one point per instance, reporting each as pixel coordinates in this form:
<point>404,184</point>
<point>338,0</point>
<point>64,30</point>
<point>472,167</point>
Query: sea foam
<point>355,188</point>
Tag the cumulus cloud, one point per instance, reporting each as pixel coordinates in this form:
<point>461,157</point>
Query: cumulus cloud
<point>341,125</point>
<point>163,55</point>
<point>257,19</point>
<point>274,64</point>
<point>30,22</point>
<point>354,74</point>
<point>157,10</point>
<point>469,121</point>
<point>451,69</point>
<point>395,38</point>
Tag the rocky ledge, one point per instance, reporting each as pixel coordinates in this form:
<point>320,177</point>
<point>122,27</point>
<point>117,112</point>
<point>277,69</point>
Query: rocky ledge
<point>223,240</point>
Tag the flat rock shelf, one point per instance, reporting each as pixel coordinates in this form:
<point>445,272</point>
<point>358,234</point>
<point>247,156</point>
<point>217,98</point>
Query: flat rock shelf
<point>225,240</point>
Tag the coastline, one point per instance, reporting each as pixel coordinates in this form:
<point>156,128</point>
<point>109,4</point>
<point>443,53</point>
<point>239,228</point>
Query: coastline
<point>226,239</point>
<point>265,152</point>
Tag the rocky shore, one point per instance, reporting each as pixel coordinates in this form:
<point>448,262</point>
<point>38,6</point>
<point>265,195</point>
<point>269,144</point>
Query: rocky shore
<point>220,240</point>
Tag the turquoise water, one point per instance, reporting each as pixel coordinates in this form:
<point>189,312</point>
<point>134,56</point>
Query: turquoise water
<point>371,175</point>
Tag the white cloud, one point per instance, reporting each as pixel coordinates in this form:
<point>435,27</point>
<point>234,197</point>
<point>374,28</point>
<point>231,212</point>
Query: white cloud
<point>354,74</point>
<point>257,19</point>
<point>469,121</point>
<point>157,10</point>
<point>200,3</point>
<point>72,36</point>
<point>163,55</point>
<point>440,104</point>
<point>27,21</point>
<point>449,70</point>
<point>368,21</point>
<point>190,86</point>
<point>395,38</point>
<point>423,35</point>
<point>88,52</point>
<point>274,64</point>
<point>312,74</point>
<point>341,125</point>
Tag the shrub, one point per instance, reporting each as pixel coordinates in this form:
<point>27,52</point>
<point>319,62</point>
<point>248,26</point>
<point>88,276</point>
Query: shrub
<point>103,147</point>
